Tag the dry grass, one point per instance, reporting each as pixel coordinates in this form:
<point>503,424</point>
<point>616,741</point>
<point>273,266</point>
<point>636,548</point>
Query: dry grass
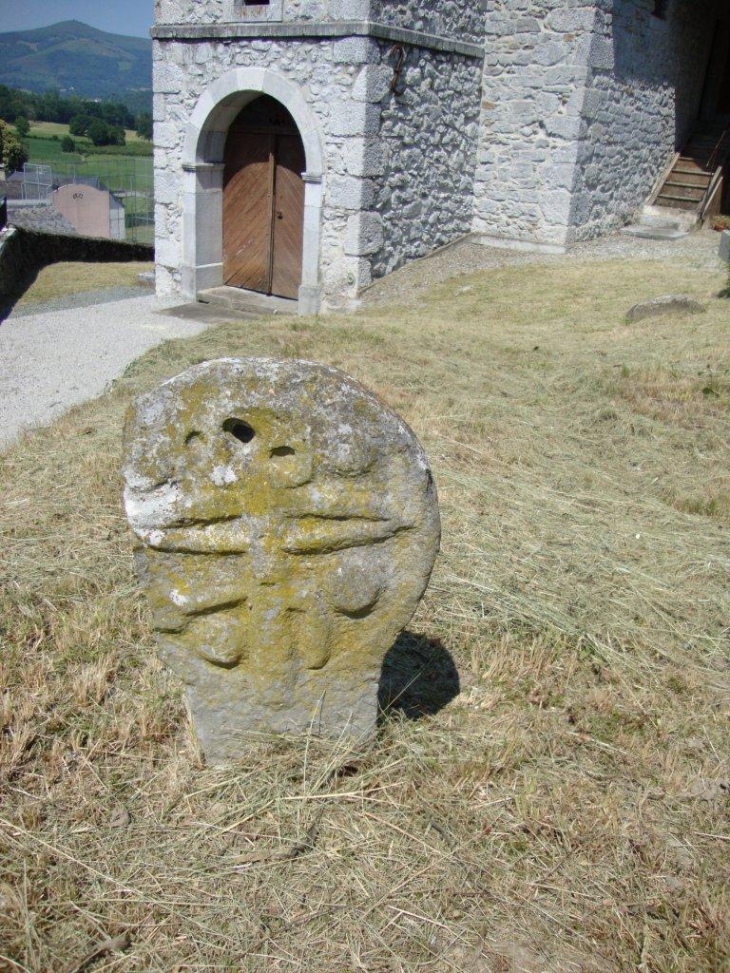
<point>568,811</point>
<point>60,129</point>
<point>64,279</point>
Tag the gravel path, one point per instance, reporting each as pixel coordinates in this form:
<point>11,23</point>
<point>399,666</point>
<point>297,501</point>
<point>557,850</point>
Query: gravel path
<point>52,360</point>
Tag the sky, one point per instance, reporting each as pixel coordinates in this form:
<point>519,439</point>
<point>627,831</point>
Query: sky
<point>132,17</point>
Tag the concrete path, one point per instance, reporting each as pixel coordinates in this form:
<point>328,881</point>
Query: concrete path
<point>53,360</point>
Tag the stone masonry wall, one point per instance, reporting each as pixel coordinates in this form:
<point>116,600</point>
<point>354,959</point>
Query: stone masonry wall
<point>226,11</point>
<point>535,71</point>
<point>334,78</point>
<point>457,19</point>
<point>428,138</point>
<point>583,104</point>
<point>398,177</point>
<point>642,97</point>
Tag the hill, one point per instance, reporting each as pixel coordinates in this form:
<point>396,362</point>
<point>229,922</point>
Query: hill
<point>76,59</point>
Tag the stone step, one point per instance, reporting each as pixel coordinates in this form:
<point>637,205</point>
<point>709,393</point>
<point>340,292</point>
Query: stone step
<point>682,180</point>
<point>683,192</point>
<point>691,165</point>
<point>690,173</point>
<point>652,231</point>
<point>676,203</point>
<point>661,224</point>
<point>237,299</point>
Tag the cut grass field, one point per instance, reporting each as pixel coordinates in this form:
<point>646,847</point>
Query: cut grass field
<point>567,811</point>
<point>49,129</point>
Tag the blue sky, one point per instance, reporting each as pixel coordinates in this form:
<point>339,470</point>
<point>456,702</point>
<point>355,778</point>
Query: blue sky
<point>133,17</point>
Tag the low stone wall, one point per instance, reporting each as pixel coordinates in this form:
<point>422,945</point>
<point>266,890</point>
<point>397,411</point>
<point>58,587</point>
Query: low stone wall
<point>23,253</point>
<point>11,268</point>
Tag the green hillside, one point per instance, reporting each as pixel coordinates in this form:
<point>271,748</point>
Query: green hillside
<point>76,59</point>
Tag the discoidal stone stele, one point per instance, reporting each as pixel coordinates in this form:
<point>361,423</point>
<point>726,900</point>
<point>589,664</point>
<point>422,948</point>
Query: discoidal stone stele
<point>288,524</point>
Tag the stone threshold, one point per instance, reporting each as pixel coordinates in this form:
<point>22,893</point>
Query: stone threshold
<point>662,223</point>
<point>251,302</point>
<point>298,31</point>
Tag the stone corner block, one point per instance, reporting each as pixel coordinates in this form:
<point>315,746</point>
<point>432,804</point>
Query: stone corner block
<point>364,157</point>
<point>364,234</point>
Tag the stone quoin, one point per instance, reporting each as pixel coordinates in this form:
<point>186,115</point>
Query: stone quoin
<point>388,128</point>
<point>288,525</point>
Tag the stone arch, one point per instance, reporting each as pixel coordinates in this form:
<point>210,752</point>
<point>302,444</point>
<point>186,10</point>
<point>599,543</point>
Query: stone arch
<point>203,149</point>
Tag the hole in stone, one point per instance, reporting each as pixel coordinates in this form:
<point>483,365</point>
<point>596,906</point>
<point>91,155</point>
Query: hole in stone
<point>240,429</point>
<point>191,438</point>
<point>281,451</point>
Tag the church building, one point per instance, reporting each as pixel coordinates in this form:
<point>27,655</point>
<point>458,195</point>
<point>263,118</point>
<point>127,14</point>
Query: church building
<point>304,148</point>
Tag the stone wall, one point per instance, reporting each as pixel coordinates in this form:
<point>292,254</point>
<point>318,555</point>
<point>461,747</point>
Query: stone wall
<point>460,19</point>
<point>231,11</point>
<point>23,253</point>
<point>643,94</point>
<point>333,78</point>
<point>398,173</point>
<point>535,70</point>
<point>583,104</point>
<point>428,140</point>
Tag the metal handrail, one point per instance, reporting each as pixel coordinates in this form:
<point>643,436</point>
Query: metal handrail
<point>712,161</point>
<point>711,192</point>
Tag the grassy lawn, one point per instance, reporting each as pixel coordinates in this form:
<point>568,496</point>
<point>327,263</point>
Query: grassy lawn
<point>63,279</point>
<point>567,811</point>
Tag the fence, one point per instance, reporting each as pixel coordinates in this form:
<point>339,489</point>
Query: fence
<point>37,181</point>
<point>128,178</point>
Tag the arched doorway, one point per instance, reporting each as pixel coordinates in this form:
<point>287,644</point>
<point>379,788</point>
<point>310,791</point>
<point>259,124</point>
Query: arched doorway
<point>263,200</point>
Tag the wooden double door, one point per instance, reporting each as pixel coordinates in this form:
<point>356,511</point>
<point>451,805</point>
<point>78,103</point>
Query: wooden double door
<point>263,201</point>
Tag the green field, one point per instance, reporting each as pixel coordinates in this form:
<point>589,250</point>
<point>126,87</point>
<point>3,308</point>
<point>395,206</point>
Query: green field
<point>128,176</point>
<point>47,151</point>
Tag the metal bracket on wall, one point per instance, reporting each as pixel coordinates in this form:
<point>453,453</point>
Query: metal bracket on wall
<point>395,86</point>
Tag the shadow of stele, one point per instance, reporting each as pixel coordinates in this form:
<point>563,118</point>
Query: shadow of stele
<point>418,678</point>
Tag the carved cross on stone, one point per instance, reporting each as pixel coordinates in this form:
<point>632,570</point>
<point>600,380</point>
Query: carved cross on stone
<point>288,525</point>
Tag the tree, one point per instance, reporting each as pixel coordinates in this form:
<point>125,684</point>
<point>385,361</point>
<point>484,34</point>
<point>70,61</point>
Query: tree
<point>143,126</point>
<point>98,132</point>
<point>13,154</point>
<point>22,126</point>
<point>68,144</point>
<point>79,125</point>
